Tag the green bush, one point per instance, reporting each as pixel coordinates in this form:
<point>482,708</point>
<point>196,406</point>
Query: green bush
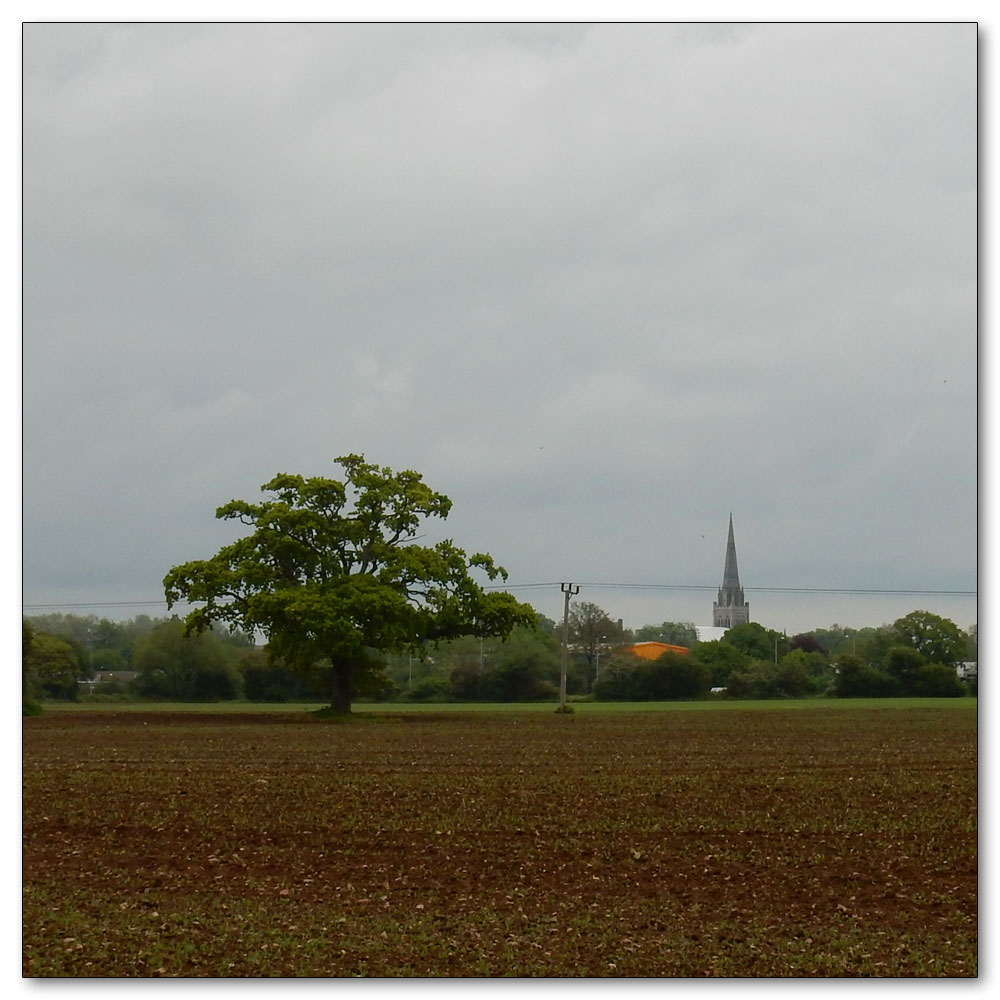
<point>935,680</point>
<point>856,679</point>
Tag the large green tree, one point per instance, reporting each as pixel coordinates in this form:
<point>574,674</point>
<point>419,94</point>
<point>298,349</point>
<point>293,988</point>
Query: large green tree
<point>936,639</point>
<point>330,575</point>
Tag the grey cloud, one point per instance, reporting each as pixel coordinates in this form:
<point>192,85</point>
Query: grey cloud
<point>600,283</point>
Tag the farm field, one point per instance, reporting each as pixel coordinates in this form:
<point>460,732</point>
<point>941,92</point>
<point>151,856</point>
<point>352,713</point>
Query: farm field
<point>837,840</point>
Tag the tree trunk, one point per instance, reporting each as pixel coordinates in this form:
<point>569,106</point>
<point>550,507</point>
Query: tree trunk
<point>340,688</point>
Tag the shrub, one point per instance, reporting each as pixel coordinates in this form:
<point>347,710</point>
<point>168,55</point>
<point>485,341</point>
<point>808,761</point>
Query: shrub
<point>934,680</point>
<point>855,679</point>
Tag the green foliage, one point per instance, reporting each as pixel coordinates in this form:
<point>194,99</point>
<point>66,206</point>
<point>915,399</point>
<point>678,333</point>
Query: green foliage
<point>104,644</point>
<point>903,664</point>
<point>673,633</point>
<point>807,642</point>
<point>935,680</point>
<point>546,625</point>
<point>591,629</point>
<point>757,642</point>
<point>675,677</point>
<point>74,627</point>
<point>815,665</point>
<point>855,679</point>
<point>29,684</point>
<point>265,680</point>
<point>789,678</point>
<point>330,574</point>
<point>721,658</point>
<point>107,660</point>
<point>432,688</point>
<point>522,668</point>
<point>51,668</point>
<point>617,680</point>
<point>936,639</point>
<point>671,677</point>
<point>175,666</point>
<point>868,643</point>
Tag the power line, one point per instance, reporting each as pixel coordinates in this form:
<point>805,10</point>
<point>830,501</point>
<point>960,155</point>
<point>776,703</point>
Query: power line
<point>765,590</point>
<point>784,590</point>
<point>859,591</point>
<point>103,604</point>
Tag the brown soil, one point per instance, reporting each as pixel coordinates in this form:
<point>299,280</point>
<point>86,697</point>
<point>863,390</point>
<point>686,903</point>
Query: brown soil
<point>783,843</point>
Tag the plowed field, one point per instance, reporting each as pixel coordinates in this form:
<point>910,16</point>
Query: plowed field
<point>817,842</point>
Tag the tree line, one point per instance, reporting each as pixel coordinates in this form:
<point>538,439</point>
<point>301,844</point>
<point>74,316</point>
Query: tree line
<point>330,573</point>
<point>152,659</point>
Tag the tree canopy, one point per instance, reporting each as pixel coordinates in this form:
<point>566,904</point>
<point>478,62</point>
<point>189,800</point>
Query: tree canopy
<point>330,574</point>
<point>935,638</point>
<point>672,633</point>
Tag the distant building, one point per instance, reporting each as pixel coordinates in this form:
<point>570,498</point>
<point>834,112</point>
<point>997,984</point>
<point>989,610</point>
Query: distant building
<point>653,650</point>
<point>731,608</point>
<point>709,633</point>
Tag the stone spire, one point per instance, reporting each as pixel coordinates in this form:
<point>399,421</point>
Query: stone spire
<point>731,608</point>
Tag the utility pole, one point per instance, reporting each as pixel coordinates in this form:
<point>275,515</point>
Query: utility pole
<point>568,590</point>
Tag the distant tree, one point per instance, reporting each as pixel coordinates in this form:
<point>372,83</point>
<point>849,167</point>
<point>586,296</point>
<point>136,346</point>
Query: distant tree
<point>617,681</point>
<point>757,642</point>
<point>764,679</point>
<point>430,688</point>
<point>179,667</point>
<point>807,642</point>
<point>329,574</point>
<point>935,680</point>
<point>590,630</point>
<point>233,637</point>
<point>856,679</point>
<point>814,665</point>
<point>674,677</point>
<point>107,660</point>
<point>467,683</point>
<point>872,644</point>
<point>904,663</point>
<point>269,681</point>
<point>721,658</point>
<point>671,677</point>
<point>868,643</point>
<point>98,639</point>
<point>835,639</point>
<point>105,634</point>
<point>77,628</point>
<point>790,677</point>
<point>672,633</point>
<point>53,667</point>
<point>936,639</point>
<point>522,668</point>
<point>546,625</point>
<point>29,683</point>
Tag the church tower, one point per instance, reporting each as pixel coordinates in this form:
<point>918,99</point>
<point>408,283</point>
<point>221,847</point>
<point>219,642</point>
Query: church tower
<point>731,608</point>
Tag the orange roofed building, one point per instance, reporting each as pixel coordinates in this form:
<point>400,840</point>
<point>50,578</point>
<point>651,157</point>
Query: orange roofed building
<point>653,650</point>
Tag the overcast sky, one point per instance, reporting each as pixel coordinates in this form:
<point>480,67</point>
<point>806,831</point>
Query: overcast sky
<point>602,285</point>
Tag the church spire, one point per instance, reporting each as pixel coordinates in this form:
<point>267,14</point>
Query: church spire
<point>731,574</point>
<point>731,608</point>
